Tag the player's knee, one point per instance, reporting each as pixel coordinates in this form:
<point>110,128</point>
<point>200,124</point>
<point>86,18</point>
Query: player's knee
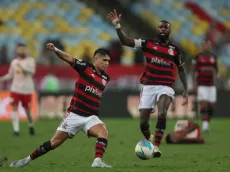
<point>162,113</point>
<point>103,133</point>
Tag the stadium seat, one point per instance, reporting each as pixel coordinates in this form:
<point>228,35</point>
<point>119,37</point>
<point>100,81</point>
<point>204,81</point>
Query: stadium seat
<point>70,21</point>
<point>187,30</point>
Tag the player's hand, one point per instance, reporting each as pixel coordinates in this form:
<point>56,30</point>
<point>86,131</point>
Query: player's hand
<point>116,19</point>
<point>50,46</point>
<point>185,98</point>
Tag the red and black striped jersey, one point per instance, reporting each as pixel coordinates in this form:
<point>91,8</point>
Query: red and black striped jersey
<point>206,68</point>
<point>161,62</point>
<point>88,89</point>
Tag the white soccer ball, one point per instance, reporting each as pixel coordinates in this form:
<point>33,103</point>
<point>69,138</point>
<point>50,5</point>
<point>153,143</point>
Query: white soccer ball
<point>144,150</point>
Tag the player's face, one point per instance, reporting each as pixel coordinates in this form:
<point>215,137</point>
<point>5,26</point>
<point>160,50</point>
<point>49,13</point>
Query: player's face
<point>163,30</point>
<point>21,51</point>
<point>206,46</point>
<point>102,62</point>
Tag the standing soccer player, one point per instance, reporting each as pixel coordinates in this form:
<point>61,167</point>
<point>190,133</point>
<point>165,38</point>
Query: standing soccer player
<point>162,60</point>
<point>205,70</point>
<point>82,114</point>
<point>22,69</point>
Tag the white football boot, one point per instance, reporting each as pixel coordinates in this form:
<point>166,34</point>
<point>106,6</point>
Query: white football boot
<point>98,163</point>
<point>21,162</point>
<point>156,151</point>
<point>205,126</point>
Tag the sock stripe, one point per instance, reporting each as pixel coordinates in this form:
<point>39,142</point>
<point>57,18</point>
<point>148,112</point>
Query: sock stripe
<point>100,151</point>
<point>160,128</point>
<point>100,147</point>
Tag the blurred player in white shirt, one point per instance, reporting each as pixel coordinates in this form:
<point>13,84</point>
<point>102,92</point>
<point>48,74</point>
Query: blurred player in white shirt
<point>185,132</point>
<point>21,71</point>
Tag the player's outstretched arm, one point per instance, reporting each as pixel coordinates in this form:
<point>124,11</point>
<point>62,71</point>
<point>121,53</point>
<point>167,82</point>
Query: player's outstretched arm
<point>115,19</point>
<point>61,54</point>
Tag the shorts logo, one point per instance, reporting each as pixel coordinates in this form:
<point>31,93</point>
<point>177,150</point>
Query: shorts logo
<point>170,51</point>
<point>64,125</point>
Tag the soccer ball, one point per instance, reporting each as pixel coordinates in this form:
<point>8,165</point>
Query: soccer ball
<point>144,149</point>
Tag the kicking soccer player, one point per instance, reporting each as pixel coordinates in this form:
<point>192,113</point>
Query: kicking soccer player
<point>82,114</point>
<point>162,60</point>
<point>185,132</point>
<point>205,71</point>
<point>22,69</point>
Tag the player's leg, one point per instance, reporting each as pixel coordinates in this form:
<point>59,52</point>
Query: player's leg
<point>163,105</point>
<point>96,128</point>
<point>210,105</point>
<point>144,123</point>
<point>146,106</point>
<point>204,114</point>
<point>15,118</point>
<point>26,103</point>
<point>58,138</point>
<point>203,98</point>
<point>69,126</point>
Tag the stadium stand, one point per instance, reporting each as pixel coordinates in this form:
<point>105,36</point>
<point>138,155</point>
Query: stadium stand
<point>188,30</point>
<point>34,22</point>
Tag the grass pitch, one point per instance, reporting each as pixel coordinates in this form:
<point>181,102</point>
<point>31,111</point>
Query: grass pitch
<point>77,154</point>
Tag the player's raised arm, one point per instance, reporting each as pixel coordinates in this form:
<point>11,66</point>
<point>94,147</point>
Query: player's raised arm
<point>115,19</point>
<point>7,76</point>
<point>61,54</point>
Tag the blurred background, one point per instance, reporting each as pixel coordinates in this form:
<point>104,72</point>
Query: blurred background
<point>81,26</point>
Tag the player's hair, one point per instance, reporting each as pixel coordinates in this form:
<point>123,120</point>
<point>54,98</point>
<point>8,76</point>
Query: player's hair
<point>164,21</point>
<point>21,44</point>
<point>101,51</point>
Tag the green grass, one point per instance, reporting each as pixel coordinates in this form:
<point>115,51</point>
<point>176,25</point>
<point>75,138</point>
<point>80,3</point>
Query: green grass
<point>77,154</point>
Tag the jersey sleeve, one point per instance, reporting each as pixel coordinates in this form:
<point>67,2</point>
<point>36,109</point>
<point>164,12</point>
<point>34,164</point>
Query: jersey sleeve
<point>140,43</point>
<point>179,59</point>
<point>79,65</point>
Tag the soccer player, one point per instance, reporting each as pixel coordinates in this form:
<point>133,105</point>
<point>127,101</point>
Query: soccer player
<point>162,60</point>
<point>82,114</point>
<point>185,132</point>
<point>22,69</point>
<point>205,70</point>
